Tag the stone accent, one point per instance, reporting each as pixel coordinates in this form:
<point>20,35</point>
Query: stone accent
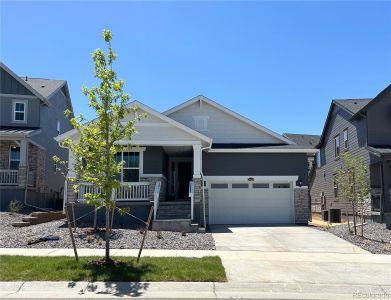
<point>22,176</point>
<point>36,161</point>
<point>152,182</point>
<point>302,208</point>
<point>198,199</point>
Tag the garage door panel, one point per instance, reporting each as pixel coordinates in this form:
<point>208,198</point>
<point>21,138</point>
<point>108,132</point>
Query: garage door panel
<point>250,206</point>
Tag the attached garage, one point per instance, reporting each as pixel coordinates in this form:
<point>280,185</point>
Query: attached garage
<point>251,200</point>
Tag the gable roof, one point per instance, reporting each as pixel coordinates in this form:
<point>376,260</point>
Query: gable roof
<point>305,140</point>
<point>22,82</point>
<point>154,113</point>
<point>228,112</point>
<point>351,106</point>
<point>380,96</point>
<point>46,87</point>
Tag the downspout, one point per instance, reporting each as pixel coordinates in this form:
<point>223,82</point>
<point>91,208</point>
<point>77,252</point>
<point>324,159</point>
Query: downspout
<point>203,186</point>
<point>27,174</point>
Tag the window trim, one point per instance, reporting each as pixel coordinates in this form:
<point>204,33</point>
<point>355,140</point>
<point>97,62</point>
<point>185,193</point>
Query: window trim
<point>337,138</point>
<point>14,102</point>
<point>345,142</point>
<point>9,157</point>
<point>140,164</point>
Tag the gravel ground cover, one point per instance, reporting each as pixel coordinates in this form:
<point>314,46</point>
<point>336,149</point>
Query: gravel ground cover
<point>86,237</point>
<point>377,238</point>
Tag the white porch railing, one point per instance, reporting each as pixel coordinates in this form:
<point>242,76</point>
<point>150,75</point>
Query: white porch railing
<point>8,177</point>
<point>132,191</point>
<point>191,195</point>
<point>156,195</point>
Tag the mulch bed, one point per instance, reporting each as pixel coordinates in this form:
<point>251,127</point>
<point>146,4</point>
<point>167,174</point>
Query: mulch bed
<point>86,237</point>
<point>377,238</point>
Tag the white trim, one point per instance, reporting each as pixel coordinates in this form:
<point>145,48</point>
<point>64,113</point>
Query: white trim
<point>229,112</point>
<point>257,179</point>
<point>26,85</point>
<point>257,150</point>
<point>169,120</point>
<point>9,156</point>
<point>140,167</point>
<point>25,110</point>
<point>158,115</point>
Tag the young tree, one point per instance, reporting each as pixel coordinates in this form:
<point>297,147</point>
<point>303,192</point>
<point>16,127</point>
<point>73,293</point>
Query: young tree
<point>353,184</point>
<point>95,149</point>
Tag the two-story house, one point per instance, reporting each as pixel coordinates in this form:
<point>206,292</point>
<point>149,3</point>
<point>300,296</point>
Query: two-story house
<point>31,115</point>
<point>361,127</point>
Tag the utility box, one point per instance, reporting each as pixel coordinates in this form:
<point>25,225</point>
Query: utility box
<point>325,215</point>
<point>335,215</point>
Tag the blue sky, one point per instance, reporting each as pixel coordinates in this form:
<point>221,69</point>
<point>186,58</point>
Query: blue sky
<point>277,63</point>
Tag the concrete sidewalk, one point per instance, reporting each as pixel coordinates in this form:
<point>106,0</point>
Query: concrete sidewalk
<point>195,290</point>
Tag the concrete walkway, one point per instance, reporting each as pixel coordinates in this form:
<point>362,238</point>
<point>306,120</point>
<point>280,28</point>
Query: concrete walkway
<point>194,290</point>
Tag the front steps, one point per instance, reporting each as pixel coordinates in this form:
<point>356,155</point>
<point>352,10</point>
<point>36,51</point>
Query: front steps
<point>39,217</point>
<point>174,216</point>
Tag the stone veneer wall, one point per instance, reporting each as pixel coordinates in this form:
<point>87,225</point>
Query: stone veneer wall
<point>152,182</point>
<point>302,207</point>
<point>198,199</point>
<point>36,161</point>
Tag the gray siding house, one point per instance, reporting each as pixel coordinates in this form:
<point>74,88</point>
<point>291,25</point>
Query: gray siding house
<point>31,115</point>
<point>200,163</point>
<point>361,127</point>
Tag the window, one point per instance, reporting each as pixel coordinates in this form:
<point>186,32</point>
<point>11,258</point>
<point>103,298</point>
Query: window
<point>281,185</point>
<point>336,146</point>
<point>240,186</point>
<point>19,111</point>
<point>219,186</point>
<point>58,127</point>
<point>14,157</point>
<point>260,185</point>
<point>346,139</point>
<point>131,166</point>
<point>201,123</point>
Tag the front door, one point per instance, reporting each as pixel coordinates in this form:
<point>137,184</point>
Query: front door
<point>184,177</point>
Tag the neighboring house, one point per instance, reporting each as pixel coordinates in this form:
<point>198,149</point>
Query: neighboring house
<point>251,174</point>
<point>361,127</point>
<point>32,114</point>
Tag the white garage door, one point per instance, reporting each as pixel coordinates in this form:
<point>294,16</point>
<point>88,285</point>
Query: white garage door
<point>250,203</point>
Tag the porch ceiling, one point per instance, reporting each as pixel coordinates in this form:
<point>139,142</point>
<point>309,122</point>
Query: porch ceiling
<point>178,151</point>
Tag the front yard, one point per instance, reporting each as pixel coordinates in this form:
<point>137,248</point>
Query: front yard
<point>86,237</point>
<point>61,268</point>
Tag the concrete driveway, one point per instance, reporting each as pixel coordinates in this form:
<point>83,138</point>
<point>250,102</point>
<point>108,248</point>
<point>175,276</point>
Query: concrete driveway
<point>280,239</point>
<point>297,255</point>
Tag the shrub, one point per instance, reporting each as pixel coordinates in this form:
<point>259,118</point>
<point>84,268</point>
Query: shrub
<point>15,206</point>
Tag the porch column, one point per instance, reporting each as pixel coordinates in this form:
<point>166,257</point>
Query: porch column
<point>71,162</point>
<point>68,185</point>
<point>196,161</point>
<point>22,171</point>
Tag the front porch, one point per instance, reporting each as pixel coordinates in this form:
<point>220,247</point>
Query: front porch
<point>21,166</point>
<point>165,180</point>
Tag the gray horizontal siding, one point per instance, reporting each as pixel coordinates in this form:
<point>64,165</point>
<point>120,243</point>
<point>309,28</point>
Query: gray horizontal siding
<point>256,164</point>
<point>324,177</point>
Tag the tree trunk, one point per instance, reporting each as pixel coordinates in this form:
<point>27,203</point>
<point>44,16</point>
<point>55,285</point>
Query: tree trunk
<point>354,219</point>
<point>107,233</point>
<point>362,221</point>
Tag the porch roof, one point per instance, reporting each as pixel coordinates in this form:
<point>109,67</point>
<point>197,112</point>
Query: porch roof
<point>17,132</point>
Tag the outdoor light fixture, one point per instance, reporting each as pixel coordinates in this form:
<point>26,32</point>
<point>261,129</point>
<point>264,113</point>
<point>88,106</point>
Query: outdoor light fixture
<point>250,179</point>
<point>300,182</point>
